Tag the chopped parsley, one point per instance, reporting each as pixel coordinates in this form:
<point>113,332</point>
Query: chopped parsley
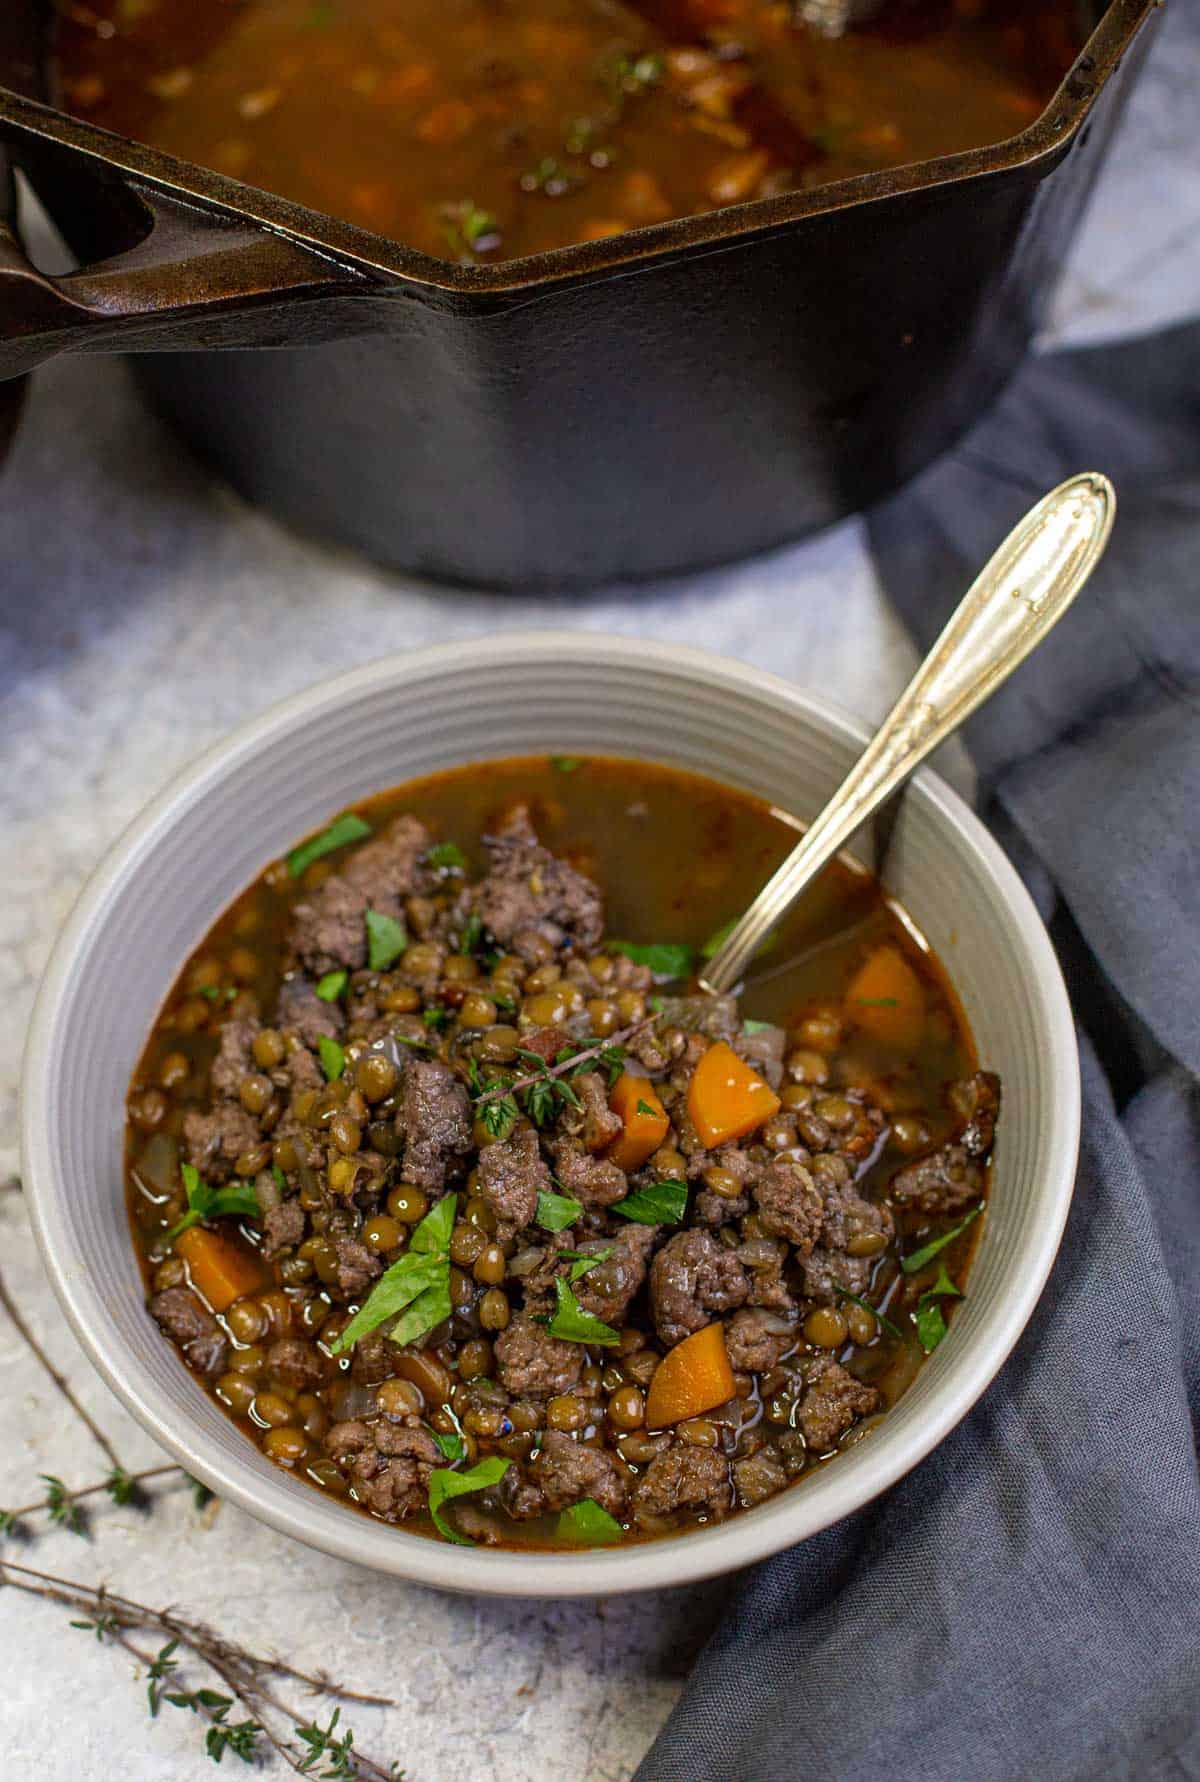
<point>586,1524</point>
<point>206,1202</point>
<point>756,1026</point>
<point>643,1107</point>
<point>445,1485</point>
<point>330,987</point>
<point>472,934</point>
<point>333,1057</point>
<point>446,857</point>
<point>662,1203</point>
<point>666,959</point>
<point>566,763</point>
<point>571,1324</point>
<point>931,1322</point>
<point>582,1263</point>
<point>555,1211</point>
<point>436,1017</point>
<point>417,1284</point>
<point>913,1264</point>
<point>343,829</point>
<point>386,940</point>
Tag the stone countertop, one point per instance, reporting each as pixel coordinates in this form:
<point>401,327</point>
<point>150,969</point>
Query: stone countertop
<point>143,611</point>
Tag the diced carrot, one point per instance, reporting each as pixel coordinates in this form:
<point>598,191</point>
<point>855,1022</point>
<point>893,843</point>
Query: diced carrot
<point>222,1268</point>
<point>644,1119</point>
<point>692,1377</point>
<point>885,999</point>
<point>726,1098</point>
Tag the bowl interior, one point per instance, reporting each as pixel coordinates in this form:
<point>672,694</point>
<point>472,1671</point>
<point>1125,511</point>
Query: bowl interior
<point>242,804</point>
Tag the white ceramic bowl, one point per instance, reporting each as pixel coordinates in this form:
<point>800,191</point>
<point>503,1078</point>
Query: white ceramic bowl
<point>284,774</point>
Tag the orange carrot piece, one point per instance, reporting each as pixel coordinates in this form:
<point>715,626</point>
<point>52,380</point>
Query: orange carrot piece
<point>886,1000</point>
<point>222,1268</point>
<point>643,1117</point>
<point>727,1099</point>
<point>692,1377</point>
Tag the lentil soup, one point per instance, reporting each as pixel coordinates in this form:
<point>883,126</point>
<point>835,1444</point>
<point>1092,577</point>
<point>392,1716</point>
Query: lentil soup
<point>488,129</point>
<point>472,1210</point>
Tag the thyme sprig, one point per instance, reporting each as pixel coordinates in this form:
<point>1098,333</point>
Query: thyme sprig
<point>60,1503</point>
<point>566,1066</point>
<point>246,1676</point>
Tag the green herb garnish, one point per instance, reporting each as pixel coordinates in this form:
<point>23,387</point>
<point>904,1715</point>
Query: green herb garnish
<point>218,992</point>
<point>386,940</point>
<point>472,934</point>
<point>330,987</point>
<point>582,1263</point>
<point>206,1202</point>
<point>571,1324</point>
<point>446,857</point>
<point>280,1178</point>
<point>662,1203</point>
<point>437,1018</point>
<point>451,1444</point>
<point>756,1026</point>
<point>333,1057</point>
<point>444,1485</point>
<point>913,1264</point>
<point>343,829</point>
<point>643,1107</point>
<point>587,1525</point>
<point>499,1117</point>
<point>931,1322</point>
<point>566,763</point>
<point>556,1211</point>
<point>419,1280</point>
<point>666,959</point>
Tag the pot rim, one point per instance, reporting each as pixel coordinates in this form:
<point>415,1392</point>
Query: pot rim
<point>329,1526</point>
<point>1038,147</point>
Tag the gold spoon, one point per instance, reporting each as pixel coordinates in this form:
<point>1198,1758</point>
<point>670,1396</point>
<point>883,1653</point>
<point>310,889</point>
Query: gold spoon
<point>1017,598</point>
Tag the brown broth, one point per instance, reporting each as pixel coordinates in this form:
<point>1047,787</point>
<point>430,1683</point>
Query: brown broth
<point>489,129</point>
<point>677,856</point>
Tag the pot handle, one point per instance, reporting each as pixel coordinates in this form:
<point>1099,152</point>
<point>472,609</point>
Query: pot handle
<point>195,278</point>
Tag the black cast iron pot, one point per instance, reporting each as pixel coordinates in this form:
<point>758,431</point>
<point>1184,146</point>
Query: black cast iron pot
<point>674,397</point>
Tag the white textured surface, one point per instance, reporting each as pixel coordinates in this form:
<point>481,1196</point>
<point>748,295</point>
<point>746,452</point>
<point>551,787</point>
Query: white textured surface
<point>142,611</point>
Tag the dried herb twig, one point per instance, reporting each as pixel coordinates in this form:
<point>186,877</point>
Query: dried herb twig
<point>115,1617</point>
<point>550,1071</point>
<point>122,1487</point>
<point>89,1422</point>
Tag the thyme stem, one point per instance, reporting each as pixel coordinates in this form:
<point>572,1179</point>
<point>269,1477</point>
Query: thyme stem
<point>568,1064</point>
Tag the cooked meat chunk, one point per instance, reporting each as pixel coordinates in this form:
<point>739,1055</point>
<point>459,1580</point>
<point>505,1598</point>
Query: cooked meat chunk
<point>976,1101</point>
<point>511,1176</point>
<point>234,1059</point>
<point>593,1124</point>
<point>283,1228</point>
<point>764,1049</point>
<point>953,1176</point>
<point>435,1118</point>
<point>215,1141</point>
<point>765,1260</point>
<point>373,1359</point>
<point>596,1181</point>
<point>758,1477</point>
<point>328,928</point>
<point>299,1365</point>
<point>692,1281</point>
<point>302,1012</point>
<point>833,1401</point>
<point>529,1359</point>
<point>684,1478</point>
<point>187,1322</point>
<point>389,1464</point>
<point>564,1472</point>
<point>531,899</point>
<point>756,1339</point>
<point>853,1234</point>
<point>789,1203</point>
<point>356,1268</point>
<point>608,1290</point>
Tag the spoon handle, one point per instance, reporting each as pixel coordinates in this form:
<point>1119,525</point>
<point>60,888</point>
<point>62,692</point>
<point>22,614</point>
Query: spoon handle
<point>1017,598</point>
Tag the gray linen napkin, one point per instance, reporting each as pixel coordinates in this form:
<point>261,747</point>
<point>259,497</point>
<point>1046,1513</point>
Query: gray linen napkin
<point>1027,1602</point>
